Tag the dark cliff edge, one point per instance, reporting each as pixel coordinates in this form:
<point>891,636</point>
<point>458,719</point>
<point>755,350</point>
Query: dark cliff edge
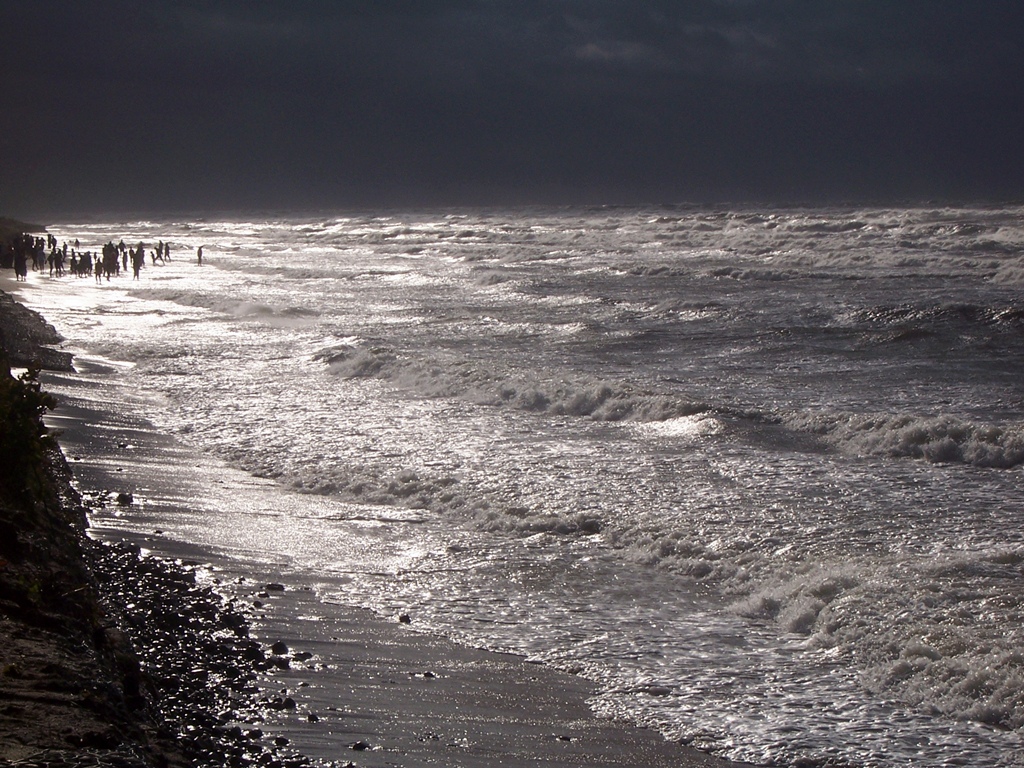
<point>10,228</point>
<point>106,657</point>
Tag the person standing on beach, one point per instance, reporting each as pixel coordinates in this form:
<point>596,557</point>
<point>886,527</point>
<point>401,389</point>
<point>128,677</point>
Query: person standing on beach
<point>138,259</point>
<point>20,264</point>
<point>199,255</point>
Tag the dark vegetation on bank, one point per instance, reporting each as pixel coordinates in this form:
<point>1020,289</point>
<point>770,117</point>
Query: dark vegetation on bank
<point>107,658</point>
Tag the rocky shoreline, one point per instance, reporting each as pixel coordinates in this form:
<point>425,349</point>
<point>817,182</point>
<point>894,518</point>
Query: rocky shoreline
<point>108,657</point>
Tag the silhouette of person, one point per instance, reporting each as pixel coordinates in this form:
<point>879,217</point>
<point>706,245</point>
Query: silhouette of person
<point>138,259</point>
<point>20,265</point>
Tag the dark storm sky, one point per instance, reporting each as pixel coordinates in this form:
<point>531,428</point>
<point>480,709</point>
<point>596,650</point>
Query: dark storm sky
<point>227,104</point>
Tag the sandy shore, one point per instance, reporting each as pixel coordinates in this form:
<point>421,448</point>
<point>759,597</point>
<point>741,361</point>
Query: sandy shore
<point>339,685</point>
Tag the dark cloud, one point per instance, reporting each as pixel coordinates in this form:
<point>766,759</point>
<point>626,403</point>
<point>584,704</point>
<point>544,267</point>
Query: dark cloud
<point>232,103</point>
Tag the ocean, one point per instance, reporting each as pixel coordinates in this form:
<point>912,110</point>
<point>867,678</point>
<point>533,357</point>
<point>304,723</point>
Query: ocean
<point>756,472</point>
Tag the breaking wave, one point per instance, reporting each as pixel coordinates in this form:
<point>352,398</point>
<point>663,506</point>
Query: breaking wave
<point>938,439</point>
<point>920,647</point>
<point>239,308</point>
<point>585,398</point>
<point>929,317</point>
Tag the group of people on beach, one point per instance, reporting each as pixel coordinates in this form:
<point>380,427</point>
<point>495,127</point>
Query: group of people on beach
<point>25,250</point>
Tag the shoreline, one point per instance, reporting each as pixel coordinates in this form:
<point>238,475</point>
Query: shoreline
<point>89,674</point>
<point>373,692</point>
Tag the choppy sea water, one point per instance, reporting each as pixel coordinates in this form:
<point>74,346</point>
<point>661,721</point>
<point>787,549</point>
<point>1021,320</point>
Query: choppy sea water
<point>755,472</point>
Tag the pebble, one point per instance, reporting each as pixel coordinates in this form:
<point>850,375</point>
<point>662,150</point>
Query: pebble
<point>177,629</point>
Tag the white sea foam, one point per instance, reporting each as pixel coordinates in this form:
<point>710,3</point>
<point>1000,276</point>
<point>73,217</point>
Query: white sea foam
<point>937,439</point>
<point>690,427</point>
<point>1010,272</point>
